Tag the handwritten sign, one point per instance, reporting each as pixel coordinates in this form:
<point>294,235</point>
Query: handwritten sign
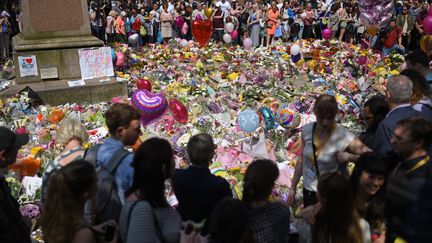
<point>96,63</point>
<point>27,65</point>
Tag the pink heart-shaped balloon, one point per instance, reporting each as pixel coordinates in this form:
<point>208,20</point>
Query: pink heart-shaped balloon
<point>152,106</point>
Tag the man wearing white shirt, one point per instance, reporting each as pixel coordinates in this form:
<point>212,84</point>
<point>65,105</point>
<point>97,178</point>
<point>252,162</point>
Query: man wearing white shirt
<point>224,5</point>
<point>171,8</point>
<point>155,12</point>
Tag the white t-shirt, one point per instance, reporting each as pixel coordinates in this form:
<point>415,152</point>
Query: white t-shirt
<point>197,12</point>
<point>327,158</point>
<point>366,232</point>
<point>224,6</point>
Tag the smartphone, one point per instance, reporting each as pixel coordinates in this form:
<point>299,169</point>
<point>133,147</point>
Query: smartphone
<point>109,233</point>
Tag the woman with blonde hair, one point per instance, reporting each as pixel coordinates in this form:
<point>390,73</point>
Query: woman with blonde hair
<point>110,26</point>
<point>71,135</point>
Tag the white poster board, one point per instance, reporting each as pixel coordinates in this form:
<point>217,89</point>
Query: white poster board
<point>96,63</point>
<point>27,66</point>
<point>31,184</point>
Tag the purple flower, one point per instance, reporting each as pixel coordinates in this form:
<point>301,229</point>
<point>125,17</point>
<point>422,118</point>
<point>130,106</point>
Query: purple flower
<point>30,210</point>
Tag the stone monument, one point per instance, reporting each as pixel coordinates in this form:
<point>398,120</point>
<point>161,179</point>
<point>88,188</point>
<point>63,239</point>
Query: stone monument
<point>53,32</point>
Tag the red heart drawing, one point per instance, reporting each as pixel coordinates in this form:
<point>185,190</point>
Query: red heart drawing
<point>202,31</point>
<point>28,60</point>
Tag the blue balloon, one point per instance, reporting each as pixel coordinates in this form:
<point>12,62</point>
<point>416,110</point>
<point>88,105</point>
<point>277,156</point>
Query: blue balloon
<point>248,121</point>
<point>113,56</point>
<point>268,117</point>
<point>296,58</point>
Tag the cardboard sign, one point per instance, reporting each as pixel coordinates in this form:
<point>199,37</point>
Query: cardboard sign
<point>96,63</point>
<point>27,66</point>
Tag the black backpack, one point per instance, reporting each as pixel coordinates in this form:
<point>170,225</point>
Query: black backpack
<point>106,204</point>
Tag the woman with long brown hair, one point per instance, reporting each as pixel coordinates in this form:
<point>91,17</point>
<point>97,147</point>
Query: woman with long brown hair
<point>337,220</point>
<point>63,210</point>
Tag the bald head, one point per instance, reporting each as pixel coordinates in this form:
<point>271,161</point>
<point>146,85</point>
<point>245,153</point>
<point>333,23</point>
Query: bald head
<point>399,89</point>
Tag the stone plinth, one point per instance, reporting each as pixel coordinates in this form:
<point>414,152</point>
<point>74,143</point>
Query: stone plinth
<point>58,92</point>
<point>54,31</point>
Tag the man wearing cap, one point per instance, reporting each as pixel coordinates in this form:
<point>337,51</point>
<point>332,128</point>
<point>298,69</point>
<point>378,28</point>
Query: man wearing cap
<point>12,226</point>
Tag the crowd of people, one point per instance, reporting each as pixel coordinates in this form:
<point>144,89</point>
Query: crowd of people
<point>121,190</point>
<point>110,193</point>
<point>263,21</point>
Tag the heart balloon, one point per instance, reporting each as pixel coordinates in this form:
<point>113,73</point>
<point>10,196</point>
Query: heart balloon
<point>202,31</point>
<point>208,12</point>
<point>152,106</point>
<point>179,21</point>
<point>179,111</point>
<point>142,83</point>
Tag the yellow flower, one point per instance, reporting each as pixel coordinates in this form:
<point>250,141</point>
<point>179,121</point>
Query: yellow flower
<point>312,64</point>
<point>36,150</point>
<point>199,65</point>
<point>394,72</point>
<point>341,99</point>
<point>218,57</point>
<point>233,76</point>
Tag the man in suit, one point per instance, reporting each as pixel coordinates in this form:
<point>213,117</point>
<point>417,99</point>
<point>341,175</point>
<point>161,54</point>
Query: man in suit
<point>398,95</point>
<point>196,189</point>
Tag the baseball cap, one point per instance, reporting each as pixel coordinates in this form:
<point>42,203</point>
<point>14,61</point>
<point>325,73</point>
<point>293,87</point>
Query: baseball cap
<point>9,138</point>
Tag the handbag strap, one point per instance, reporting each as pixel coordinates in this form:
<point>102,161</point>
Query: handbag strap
<point>315,160</point>
<point>158,228</point>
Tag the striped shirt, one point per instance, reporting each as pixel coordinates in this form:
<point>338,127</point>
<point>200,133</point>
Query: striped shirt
<point>141,227</point>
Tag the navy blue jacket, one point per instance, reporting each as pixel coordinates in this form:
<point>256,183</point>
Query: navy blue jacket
<point>198,191</point>
<point>385,129</point>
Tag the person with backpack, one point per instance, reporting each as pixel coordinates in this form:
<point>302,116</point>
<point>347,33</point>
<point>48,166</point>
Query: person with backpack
<point>62,219</point>
<point>146,215</point>
<point>71,135</point>
<point>12,226</point>
<point>196,189</point>
<point>113,163</point>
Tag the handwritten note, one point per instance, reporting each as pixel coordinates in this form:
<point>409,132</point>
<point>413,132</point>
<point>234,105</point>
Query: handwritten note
<point>96,63</point>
